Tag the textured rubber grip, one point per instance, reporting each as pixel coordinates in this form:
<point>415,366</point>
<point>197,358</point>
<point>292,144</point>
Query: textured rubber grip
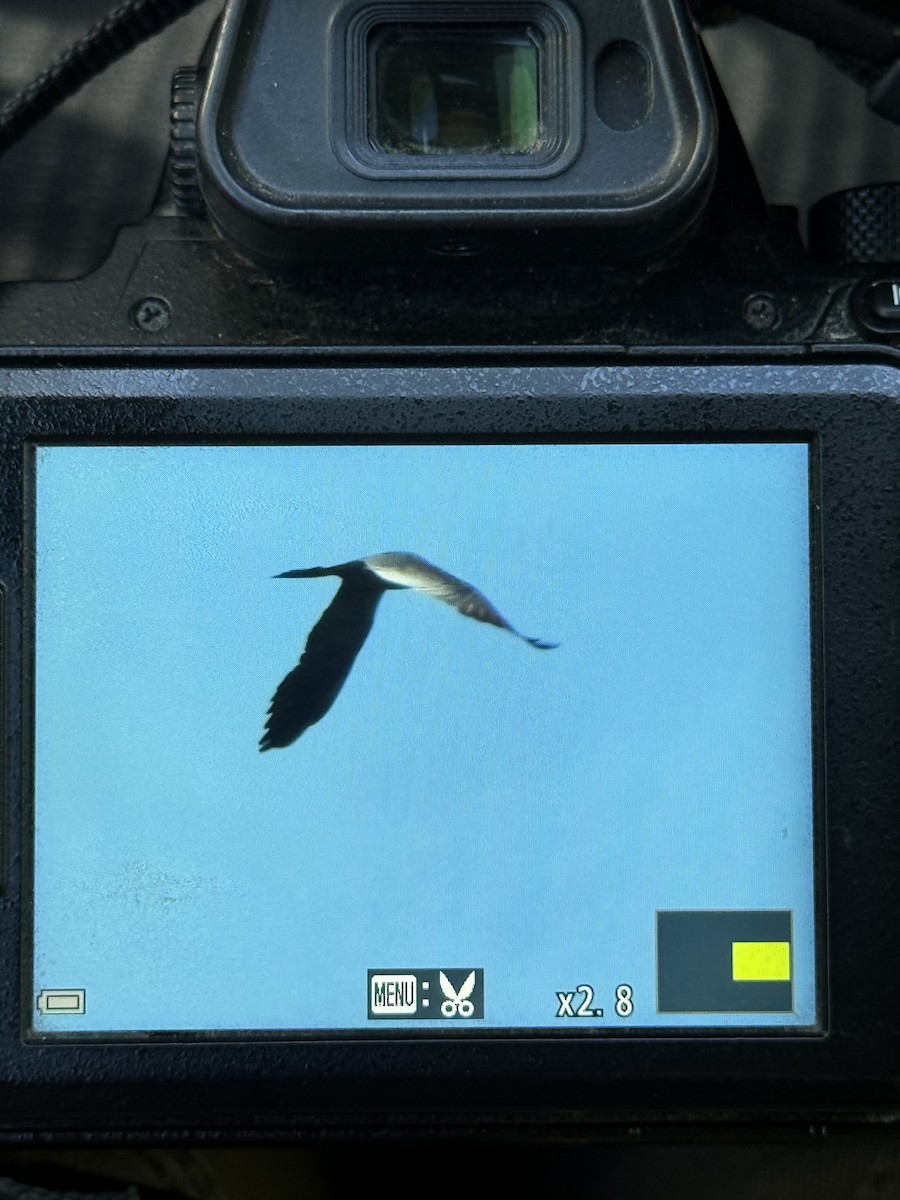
<point>861,225</point>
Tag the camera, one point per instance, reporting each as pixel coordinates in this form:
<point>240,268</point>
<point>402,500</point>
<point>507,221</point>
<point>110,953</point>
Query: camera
<point>475,308</point>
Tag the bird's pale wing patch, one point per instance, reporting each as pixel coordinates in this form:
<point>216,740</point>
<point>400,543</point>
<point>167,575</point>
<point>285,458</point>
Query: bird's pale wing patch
<point>472,603</point>
<point>411,571</point>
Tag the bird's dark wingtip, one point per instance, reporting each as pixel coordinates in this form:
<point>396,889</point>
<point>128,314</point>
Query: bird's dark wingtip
<point>539,644</point>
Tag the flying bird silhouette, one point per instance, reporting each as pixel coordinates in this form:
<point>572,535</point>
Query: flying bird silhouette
<point>306,694</point>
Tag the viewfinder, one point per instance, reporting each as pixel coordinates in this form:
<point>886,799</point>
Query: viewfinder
<point>467,89</point>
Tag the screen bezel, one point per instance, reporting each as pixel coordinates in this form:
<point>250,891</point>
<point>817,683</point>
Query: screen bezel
<point>855,455</point>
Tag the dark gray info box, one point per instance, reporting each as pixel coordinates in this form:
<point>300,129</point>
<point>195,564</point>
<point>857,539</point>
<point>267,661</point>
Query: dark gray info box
<point>716,962</point>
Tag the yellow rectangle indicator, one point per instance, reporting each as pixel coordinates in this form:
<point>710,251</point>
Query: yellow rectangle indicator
<point>761,962</point>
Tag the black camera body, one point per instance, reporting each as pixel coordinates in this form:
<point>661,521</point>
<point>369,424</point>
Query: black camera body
<point>451,292</point>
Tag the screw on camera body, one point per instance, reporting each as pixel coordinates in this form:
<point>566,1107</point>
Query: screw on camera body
<point>152,314</point>
<point>760,312</point>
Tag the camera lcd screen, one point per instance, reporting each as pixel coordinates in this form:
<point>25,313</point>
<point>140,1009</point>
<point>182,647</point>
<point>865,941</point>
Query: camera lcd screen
<point>465,89</point>
<point>533,750</point>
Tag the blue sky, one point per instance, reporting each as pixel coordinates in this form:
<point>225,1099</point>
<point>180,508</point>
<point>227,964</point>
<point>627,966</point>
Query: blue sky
<point>468,800</point>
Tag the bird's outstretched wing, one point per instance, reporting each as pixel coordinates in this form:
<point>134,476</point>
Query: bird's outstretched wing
<point>305,695</point>
<point>408,570</point>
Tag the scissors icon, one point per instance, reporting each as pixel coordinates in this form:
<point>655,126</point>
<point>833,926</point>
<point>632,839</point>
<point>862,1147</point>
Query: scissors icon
<point>457,1003</point>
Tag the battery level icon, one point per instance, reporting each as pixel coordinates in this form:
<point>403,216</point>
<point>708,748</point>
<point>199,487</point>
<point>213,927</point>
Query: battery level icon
<point>57,1002</point>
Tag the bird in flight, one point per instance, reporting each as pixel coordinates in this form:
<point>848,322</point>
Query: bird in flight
<point>305,695</point>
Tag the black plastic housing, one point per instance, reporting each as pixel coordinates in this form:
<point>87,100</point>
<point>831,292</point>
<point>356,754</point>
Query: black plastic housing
<point>271,1086</point>
<point>290,173</point>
